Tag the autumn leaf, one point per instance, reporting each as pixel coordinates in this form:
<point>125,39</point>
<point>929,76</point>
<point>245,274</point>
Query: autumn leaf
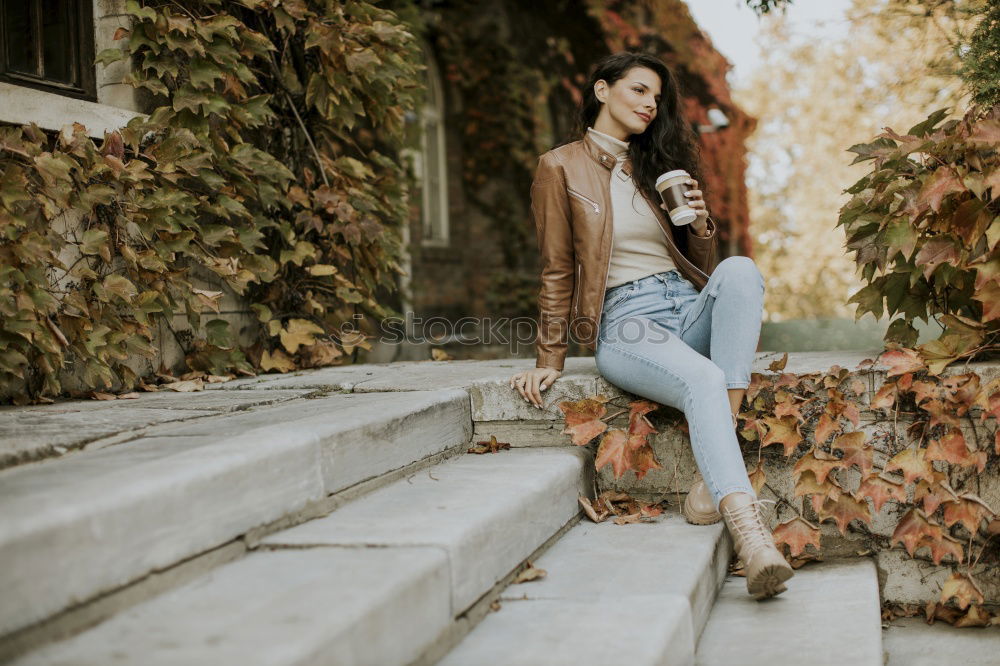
<point>583,419</point>
<point>491,446</point>
<point>976,617</point>
<point>885,397</point>
<point>967,509</point>
<point>817,462</point>
<point>789,407</point>
<point>592,513</point>
<point>757,477</point>
<point>638,424</point>
<point>942,546</point>
<point>758,382</point>
<point>824,428</point>
<point>784,431</point>
<point>963,589</point>
<point>939,185</point>
<point>912,464</point>
<point>276,360</point>
<point>855,452</point>
<point>952,449</point>
<point>933,494</point>
<point>913,528</point>
<point>778,365</point>
<point>843,510</point>
<point>529,573</point>
<point>797,533</point>
<point>299,332</point>
<point>901,361</point>
<point>988,400</point>
<point>642,459</point>
<point>185,386</point>
<point>880,490</point>
<point>613,451</point>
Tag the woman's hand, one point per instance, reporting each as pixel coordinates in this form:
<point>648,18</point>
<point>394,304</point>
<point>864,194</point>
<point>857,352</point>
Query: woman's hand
<point>531,383</point>
<point>697,203</point>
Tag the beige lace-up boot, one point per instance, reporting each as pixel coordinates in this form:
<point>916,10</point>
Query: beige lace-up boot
<point>699,505</point>
<point>765,566</point>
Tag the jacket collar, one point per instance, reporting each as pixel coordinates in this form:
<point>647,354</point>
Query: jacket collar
<point>603,157</point>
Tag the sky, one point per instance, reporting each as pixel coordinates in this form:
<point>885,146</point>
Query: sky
<point>732,26</point>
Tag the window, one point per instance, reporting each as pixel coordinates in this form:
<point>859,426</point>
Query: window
<point>48,44</point>
<point>428,159</point>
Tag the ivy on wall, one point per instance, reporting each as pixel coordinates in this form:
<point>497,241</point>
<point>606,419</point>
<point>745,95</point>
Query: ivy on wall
<point>267,159</point>
<point>911,477</point>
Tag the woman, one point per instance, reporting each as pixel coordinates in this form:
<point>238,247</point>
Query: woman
<point>665,322</point>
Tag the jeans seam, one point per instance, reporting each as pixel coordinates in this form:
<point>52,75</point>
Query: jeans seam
<point>687,388</point>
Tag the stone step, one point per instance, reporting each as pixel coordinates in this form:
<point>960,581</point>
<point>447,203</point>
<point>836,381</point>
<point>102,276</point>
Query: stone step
<point>91,522</point>
<point>630,594</point>
<point>829,615</point>
<point>379,581</point>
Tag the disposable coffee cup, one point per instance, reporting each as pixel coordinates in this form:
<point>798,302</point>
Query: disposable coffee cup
<point>672,185</point>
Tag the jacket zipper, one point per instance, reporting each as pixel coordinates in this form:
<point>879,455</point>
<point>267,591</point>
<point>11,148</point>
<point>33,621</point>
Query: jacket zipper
<point>579,287</point>
<point>593,204</point>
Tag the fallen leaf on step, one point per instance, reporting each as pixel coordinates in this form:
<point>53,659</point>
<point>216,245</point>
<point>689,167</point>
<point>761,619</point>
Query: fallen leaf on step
<point>129,396</point>
<point>625,520</point>
<point>529,573</point>
<point>963,588</point>
<point>779,364</point>
<point>495,606</point>
<point>976,617</point>
<point>100,395</point>
<point>186,386</point>
<point>588,509</point>
<point>491,446</point>
<point>438,354</point>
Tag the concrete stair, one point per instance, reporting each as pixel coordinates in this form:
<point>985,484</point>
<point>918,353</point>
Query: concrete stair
<point>632,594</point>
<point>77,527</point>
<point>352,528</point>
<point>381,580</point>
<point>830,615</point>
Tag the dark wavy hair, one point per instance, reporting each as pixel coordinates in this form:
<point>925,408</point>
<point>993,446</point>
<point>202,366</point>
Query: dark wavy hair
<point>668,142</point>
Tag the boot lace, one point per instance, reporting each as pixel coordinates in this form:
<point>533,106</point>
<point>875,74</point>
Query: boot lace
<point>749,524</point>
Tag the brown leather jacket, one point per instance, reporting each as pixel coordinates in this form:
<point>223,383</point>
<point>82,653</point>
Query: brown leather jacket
<point>570,207</point>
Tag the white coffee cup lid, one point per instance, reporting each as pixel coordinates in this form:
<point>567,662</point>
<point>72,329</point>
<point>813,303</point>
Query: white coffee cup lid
<point>672,174</point>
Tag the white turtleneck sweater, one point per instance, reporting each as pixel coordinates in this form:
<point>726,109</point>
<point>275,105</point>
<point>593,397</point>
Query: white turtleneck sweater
<point>640,248</point>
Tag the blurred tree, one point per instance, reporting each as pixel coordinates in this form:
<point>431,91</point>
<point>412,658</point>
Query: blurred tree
<point>813,100</point>
<point>981,63</point>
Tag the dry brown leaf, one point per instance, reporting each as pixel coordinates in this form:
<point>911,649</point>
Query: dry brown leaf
<point>218,379</point>
<point>276,360</point>
<point>628,519</point>
<point>438,354</point>
<point>798,533</point>
<point>529,573</point>
<point>491,446</point>
<point>186,386</point>
<point>583,418</point>
<point>963,589</point>
<point>588,509</point>
<point>129,396</point>
<point>101,395</point>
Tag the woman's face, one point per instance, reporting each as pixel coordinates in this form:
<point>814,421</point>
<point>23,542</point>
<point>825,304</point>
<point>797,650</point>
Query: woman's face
<point>631,103</point>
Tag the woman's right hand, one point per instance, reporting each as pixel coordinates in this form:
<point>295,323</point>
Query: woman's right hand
<point>531,383</point>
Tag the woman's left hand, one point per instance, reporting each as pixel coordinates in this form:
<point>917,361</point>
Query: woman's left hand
<point>695,201</point>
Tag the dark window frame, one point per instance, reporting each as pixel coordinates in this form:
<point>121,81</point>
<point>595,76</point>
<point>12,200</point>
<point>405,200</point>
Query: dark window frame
<point>82,52</point>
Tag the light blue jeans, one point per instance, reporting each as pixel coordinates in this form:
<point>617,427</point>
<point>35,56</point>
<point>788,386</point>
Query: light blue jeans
<point>663,340</point>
